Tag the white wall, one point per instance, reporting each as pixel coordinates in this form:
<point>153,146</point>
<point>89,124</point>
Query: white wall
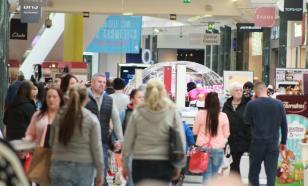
<point>174,41</point>
<point>109,63</point>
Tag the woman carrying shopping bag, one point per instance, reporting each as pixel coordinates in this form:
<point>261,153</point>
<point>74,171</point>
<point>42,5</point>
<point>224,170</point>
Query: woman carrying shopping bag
<point>212,130</point>
<point>147,137</point>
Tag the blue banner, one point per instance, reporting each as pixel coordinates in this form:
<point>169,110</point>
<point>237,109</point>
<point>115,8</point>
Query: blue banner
<point>119,34</point>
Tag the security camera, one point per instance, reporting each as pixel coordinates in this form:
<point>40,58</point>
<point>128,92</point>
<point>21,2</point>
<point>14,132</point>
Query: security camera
<point>48,23</point>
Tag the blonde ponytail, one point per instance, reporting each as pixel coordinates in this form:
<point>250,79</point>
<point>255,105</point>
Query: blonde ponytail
<point>72,114</point>
<point>156,97</point>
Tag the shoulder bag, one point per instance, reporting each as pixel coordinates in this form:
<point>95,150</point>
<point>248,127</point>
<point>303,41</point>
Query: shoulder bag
<point>177,153</point>
<point>199,159</point>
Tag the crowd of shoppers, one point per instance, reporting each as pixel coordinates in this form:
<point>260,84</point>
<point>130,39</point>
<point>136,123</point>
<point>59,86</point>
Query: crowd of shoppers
<point>87,123</point>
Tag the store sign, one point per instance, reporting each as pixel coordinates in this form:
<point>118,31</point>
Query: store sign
<point>119,34</point>
<point>265,17</point>
<point>30,11</point>
<point>40,2</point>
<point>248,27</point>
<point>19,30</point>
<point>289,76</point>
<point>211,39</point>
<point>293,10</point>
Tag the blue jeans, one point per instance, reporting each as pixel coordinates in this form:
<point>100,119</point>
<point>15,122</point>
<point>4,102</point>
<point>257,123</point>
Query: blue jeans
<point>267,152</point>
<point>215,161</point>
<point>67,173</point>
<point>106,158</point>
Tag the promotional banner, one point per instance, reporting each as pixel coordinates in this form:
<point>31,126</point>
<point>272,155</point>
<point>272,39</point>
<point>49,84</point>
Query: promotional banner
<point>19,30</point>
<point>119,34</point>
<point>248,27</point>
<point>30,11</point>
<point>289,76</point>
<point>290,168</point>
<point>293,10</point>
<point>265,17</point>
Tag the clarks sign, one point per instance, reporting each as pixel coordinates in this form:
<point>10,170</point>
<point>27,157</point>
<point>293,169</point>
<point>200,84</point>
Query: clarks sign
<point>19,31</point>
<point>293,10</point>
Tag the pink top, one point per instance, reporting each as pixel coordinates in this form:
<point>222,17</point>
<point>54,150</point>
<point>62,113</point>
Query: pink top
<point>36,129</point>
<point>223,132</point>
<point>193,94</point>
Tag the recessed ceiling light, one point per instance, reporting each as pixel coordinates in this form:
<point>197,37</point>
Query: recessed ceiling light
<point>208,15</point>
<point>128,14</point>
<point>234,0</point>
<point>156,30</point>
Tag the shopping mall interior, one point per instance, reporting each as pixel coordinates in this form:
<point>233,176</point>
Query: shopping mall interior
<point>211,43</point>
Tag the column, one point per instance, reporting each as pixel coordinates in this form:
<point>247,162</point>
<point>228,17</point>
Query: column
<point>283,34</point>
<point>73,38</point>
<point>221,52</point>
<point>208,52</point>
<point>306,60</point>
<point>227,52</point>
<point>266,55</point>
<point>4,50</point>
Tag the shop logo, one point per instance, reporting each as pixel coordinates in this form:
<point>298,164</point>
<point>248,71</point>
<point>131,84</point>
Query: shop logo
<point>295,108</point>
<point>294,9</point>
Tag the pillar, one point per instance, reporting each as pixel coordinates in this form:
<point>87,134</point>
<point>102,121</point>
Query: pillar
<point>306,60</point>
<point>221,51</point>
<point>4,50</point>
<point>73,38</point>
<point>227,49</point>
<point>266,57</point>
<point>242,55</point>
<point>283,36</point>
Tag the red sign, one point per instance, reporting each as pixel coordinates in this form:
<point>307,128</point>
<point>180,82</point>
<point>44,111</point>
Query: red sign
<point>295,104</point>
<point>168,78</point>
<point>265,17</point>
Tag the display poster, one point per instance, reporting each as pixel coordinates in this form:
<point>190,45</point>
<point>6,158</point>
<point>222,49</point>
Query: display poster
<point>236,76</point>
<point>265,17</point>
<point>291,169</point>
<point>293,10</point>
<point>19,30</point>
<point>289,76</point>
<point>30,11</point>
<point>119,34</point>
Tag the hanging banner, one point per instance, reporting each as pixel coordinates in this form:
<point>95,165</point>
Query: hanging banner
<point>265,17</point>
<point>30,11</point>
<point>248,27</point>
<point>119,34</point>
<point>293,10</point>
<point>19,30</point>
<point>291,170</point>
<point>211,39</point>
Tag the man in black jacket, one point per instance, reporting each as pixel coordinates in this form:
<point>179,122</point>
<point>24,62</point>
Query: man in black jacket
<point>104,108</point>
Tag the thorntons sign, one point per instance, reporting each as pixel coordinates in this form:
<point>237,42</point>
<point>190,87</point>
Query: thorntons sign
<point>295,104</point>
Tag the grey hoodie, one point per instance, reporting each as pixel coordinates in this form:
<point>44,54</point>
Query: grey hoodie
<point>147,135</point>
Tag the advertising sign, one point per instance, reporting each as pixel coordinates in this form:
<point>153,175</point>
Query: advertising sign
<point>248,27</point>
<point>293,10</point>
<point>119,34</point>
<point>289,76</point>
<point>236,76</point>
<point>297,117</point>
<point>211,39</point>
<point>19,30</point>
<point>30,11</point>
<point>265,17</point>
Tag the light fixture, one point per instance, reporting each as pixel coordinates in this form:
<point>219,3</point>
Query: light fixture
<point>234,0</point>
<point>128,14</point>
<point>156,30</point>
<point>208,15</point>
<point>191,54</point>
<point>53,66</point>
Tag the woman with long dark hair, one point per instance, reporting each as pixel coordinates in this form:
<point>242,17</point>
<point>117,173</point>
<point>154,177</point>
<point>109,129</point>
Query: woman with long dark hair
<point>212,128</point>
<point>76,143</point>
<point>67,82</point>
<point>51,105</point>
<point>18,116</point>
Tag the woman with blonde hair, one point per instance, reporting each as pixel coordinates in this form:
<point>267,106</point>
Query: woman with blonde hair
<point>147,137</point>
<point>76,143</point>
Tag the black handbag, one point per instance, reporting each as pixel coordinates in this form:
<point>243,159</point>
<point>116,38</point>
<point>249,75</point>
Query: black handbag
<point>177,153</point>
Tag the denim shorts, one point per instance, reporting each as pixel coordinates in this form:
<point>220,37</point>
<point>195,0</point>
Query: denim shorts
<point>67,173</point>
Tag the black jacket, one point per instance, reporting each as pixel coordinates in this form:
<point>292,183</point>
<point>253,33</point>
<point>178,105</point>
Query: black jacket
<point>239,138</point>
<point>17,118</point>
